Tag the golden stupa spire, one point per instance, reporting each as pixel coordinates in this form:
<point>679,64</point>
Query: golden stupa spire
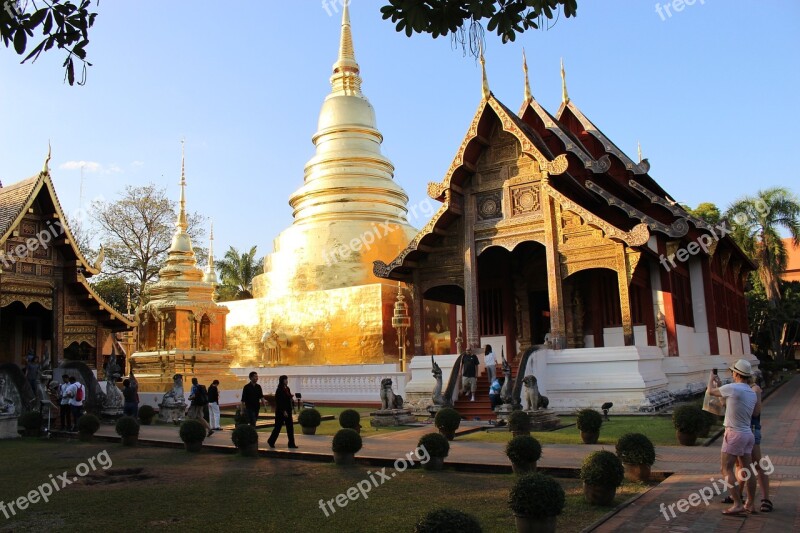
<point>528,96</point>
<point>485,81</point>
<point>211,274</point>
<point>564,95</point>
<point>181,223</point>
<point>346,77</point>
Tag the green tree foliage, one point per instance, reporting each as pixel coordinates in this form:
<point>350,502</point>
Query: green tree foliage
<point>706,211</point>
<point>237,271</point>
<point>766,321</point>
<point>114,290</point>
<point>64,25</point>
<point>464,19</point>
<point>136,232</point>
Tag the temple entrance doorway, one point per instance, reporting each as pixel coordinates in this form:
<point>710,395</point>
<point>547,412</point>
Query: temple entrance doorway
<point>443,320</point>
<point>25,331</point>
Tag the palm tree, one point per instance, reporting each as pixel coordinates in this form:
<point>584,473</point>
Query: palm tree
<point>757,224</point>
<point>237,272</point>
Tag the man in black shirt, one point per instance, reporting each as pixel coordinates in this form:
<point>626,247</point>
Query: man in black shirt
<point>252,398</point>
<point>469,373</point>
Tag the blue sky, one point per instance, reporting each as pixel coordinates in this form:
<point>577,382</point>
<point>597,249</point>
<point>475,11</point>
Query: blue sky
<point>710,92</point>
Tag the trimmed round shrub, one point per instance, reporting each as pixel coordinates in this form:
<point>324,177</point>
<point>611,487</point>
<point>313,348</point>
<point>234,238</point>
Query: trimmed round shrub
<point>310,418</point>
<point>240,417</point>
<point>636,449</point>
<point>31,421</point>
<point>244,435</point>
<point>146,414</point>
<point>519,422</point>
<point>447,419</point>
<point>127,426</point>
<point>349,418</point>
<point>435,444</point>
<point>523,449</point>
<point>192,431</point>
<point>448,521</point>
<point>346,440</point>
<point>589,420</point>
<point>88,424</point>
<point>603,469</point>
<point>536,496</point>
<point>688,419</point>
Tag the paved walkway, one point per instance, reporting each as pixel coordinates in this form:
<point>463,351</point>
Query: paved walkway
<point>693,468</point>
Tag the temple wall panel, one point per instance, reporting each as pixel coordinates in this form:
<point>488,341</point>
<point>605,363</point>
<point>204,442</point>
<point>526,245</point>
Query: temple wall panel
<point>724,340</point>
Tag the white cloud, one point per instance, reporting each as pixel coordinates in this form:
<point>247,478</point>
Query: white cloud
<point>88,166</point>
<point>137,164</point>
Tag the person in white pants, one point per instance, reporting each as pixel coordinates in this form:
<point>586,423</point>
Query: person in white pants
<point>213,405</point>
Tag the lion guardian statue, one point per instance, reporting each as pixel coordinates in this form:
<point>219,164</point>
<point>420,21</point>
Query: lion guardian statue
<point>389,400</point>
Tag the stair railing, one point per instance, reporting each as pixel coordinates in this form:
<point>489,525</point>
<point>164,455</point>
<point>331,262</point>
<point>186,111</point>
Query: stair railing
<point>450,394</point>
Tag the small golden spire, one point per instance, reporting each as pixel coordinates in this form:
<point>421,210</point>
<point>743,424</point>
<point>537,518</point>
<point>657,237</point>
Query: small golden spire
<point>485,82</point>
<point>182,224</point>
<point>346,77</point>
<point>211,274</point>
<point>564,95</point>
<point>639,149</point>
<point>528,96</point>
<point>46,166</point>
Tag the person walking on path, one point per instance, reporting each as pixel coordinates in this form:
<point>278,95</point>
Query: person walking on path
<point>199,399</point>
<point>213,405</point>
<point>469,372</point>
<point>64,410</point>
<point>76,393</point>
<point>738,440</point>
<point>130,394</point>
<point>283,413</point>
<point>252,399</point>
<point>491,364</point>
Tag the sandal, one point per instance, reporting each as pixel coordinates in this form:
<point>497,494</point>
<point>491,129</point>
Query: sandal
<point>766,506</point>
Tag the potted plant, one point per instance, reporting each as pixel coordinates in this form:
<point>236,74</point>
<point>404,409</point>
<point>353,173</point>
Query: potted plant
<point>350,419</point>
<point>447,521</point>
<point>589,422</point>
<point>688,421</point>
<point>709,419</point>
<point>437,448</point>
<point>31,422</point>
<point>536,500</point>
<point>447,421</point>
<point>523,451</point>
<point>192,434</point>
<point>637,454</point>
<point>519,423</point>
<point>245,438</point>
<point>602,473</point>
<point>345,444</point>
<point>146,415</point>
<point>88,425</point>
<point>309,420</point>
<point>128,428</point>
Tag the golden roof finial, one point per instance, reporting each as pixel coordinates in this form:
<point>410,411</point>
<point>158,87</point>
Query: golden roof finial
<point>528,95</point>
<point>485,82</point>
<point>211,274</point>
<point>564,95</point>
<point>346,77</point>
<point>639,149</point>
<point>182,223</point>
<point>46,166</point>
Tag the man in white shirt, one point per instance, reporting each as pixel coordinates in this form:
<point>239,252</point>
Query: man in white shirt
<point>65,412</point>
<point>738,441</point>
<point>76,399</point>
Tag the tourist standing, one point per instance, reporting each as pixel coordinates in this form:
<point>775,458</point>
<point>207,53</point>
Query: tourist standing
<point>738,440</point>
<point>283,413</point>
<point>213,405</point>
<point>199,398</point>
<point>469,371</point>
<point>64,411</point>
<point>77,393</point>
<point>755,423</point>
<point>32,374</point>
<point>130,393</point>
<point>494,392</point>
<point>491,364</point>
<point>252,399</point>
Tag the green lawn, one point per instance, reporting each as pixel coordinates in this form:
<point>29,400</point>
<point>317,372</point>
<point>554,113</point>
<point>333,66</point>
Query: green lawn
<point>157,488</point>
<point>658,428</point>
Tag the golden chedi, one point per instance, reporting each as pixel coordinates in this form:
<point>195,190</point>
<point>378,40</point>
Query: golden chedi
<point>317,301</point>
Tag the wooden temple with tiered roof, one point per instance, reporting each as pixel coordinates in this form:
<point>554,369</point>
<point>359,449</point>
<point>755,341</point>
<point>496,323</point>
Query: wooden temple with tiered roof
<point>549,234</point>
<point>47,306</point>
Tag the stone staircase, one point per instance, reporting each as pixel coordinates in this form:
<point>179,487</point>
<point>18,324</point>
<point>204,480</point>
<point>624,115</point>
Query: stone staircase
<point>481,408</point>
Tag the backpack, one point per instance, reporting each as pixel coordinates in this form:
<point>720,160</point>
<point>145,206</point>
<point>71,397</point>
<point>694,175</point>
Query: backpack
<point>79,393</point>
<point>201,395</point>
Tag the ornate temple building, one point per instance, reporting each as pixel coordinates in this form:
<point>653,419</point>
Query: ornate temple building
<point>47,306</point>
<point>318,302</point>
<point>548,234</point>
<point>181,328</point>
